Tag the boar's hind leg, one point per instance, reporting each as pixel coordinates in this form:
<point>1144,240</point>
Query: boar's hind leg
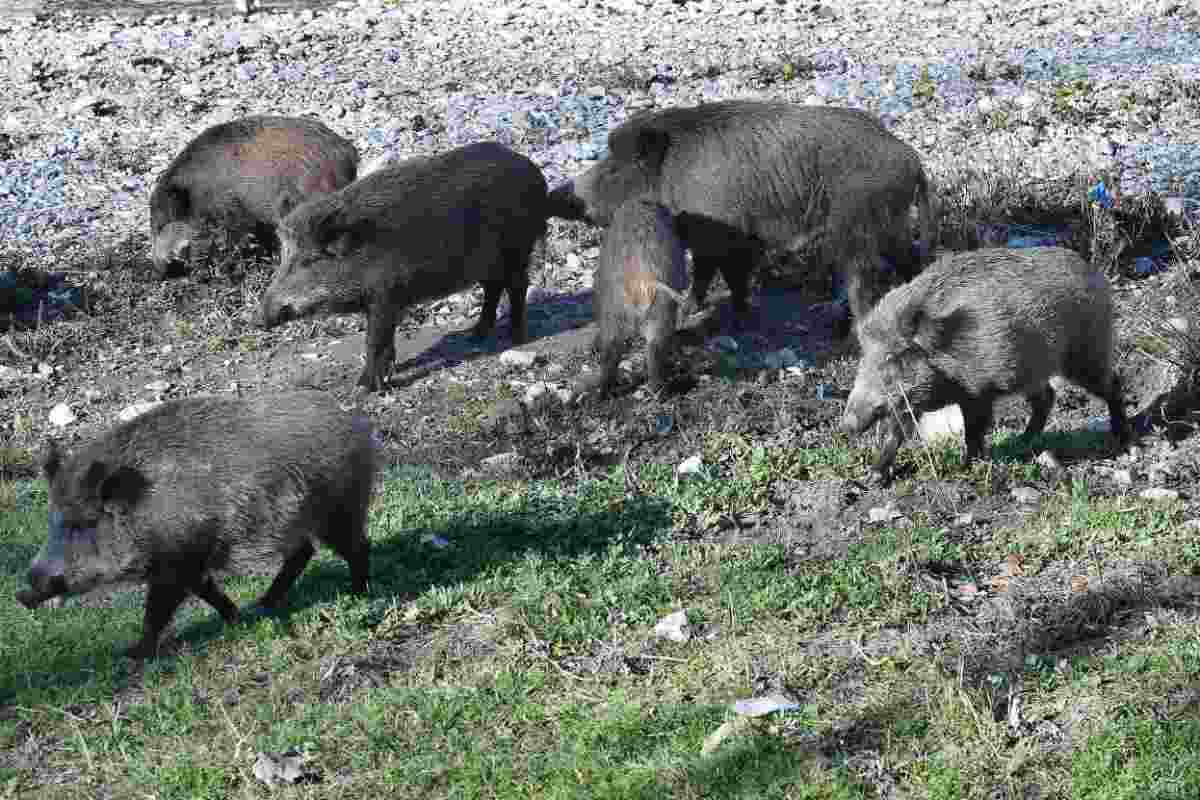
<point>491,301</point>
<point>381,347</point>
<point>517,293</point>
<point>1115,398</point>
<point>162,601</point>
<point>292,567</point>
<point>1105,384</point>
<point>211,593</point>
<point>1041,404</point>
<point>350,542</point>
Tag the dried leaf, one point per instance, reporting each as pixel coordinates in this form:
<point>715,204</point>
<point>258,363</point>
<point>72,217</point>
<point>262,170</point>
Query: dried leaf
<point>1014,566</point>
<point>1079,584</point>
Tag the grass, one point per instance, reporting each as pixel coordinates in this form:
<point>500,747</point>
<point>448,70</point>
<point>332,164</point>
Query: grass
<point>507,651</point>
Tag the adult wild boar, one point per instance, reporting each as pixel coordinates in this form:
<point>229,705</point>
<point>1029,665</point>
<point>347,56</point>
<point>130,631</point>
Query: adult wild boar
<point>242,177</point>
<point>979,325</point>
<point>640,280</point>
<point>413,231</point>
<point>741,174</point>
<point>203,486</point>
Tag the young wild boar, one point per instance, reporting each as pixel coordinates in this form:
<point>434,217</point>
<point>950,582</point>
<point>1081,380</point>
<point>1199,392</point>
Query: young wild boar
<point>413,231</point>
<point>243,176</point>
<point>640,279</point>
<point>202,486</point>
<point>979,325</point>
<point>740,174</point>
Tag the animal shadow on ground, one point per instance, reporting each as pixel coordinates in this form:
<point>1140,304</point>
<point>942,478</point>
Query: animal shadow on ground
<point>404,563</point>
<point>548,316</point>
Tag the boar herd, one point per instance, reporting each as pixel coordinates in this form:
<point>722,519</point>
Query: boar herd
<point>203,486</point>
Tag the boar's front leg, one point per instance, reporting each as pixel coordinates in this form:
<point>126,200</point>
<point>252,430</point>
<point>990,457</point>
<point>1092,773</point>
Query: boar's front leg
<point>162,601</point>
<point>381,346</point>
<point>291,569</point>
<point>893,437</point>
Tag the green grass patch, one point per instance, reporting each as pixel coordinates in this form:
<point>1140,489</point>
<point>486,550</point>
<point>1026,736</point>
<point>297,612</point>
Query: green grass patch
<point>507,651</point>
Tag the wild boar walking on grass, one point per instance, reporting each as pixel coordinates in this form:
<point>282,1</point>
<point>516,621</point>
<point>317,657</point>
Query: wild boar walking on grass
<point>203,486</point>
<point>976,326</point>
<point>413,231</point>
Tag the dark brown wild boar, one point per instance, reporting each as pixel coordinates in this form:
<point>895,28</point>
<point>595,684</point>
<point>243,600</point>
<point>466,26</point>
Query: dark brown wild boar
<point>976,326</point>
<point>640,280</point>
<point>413,231</point>
<point>242,177</point>
<point>740,174</point>
<point>203,486</point>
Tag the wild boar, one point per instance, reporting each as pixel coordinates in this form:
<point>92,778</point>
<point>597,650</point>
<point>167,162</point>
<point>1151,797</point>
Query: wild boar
<point>977,326</point>
<point>242,177</point>
<point>203,486</point>
<point>640,283</point>
<point>739,175</point>
<point>413,231</point>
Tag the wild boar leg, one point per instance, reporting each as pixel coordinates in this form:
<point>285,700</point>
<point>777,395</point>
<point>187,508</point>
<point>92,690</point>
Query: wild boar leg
<point>208,591</point>
<point>487,316</point>
<point>162,601</point>
<point>381,346</point>
<point>1041,403</point>
<point>292,567</point>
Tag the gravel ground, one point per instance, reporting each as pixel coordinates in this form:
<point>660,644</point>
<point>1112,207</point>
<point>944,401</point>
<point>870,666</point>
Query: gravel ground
<point>96,105</point>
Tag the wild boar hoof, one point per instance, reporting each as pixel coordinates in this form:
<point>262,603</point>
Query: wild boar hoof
<point>29,598</point>
<point>370,382</point>
<point>141,651</point>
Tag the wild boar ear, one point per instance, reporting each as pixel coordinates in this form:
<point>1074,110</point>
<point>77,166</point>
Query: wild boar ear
<point>124,485</point>
<point>652,145</point>
<point>340,242</point>
<point>938,333</point>
<point>176,202</point>
<point>51,459</point>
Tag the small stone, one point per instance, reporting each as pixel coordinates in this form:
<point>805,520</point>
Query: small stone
<point>689,466</point>
<point>565,396</point>
<point>1192,524</point>
<point>963,521</point>
<point>945,422</point>
<point>574,262</point>
<point>761,706</point>
<point>61,415</point>
<point>136,410</point>
<point>1046,460</point>
<point>1026,494</point>
<point>537,395</point>
<point>158,386</point>
<point>501,463</point>
<point>880,514</point>
<point>1159,493</point>
<point>232,696</point>
<point>674,626</point>
<point>518,358</point>
<point>1123,477</point>
<point>1179,324</point>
